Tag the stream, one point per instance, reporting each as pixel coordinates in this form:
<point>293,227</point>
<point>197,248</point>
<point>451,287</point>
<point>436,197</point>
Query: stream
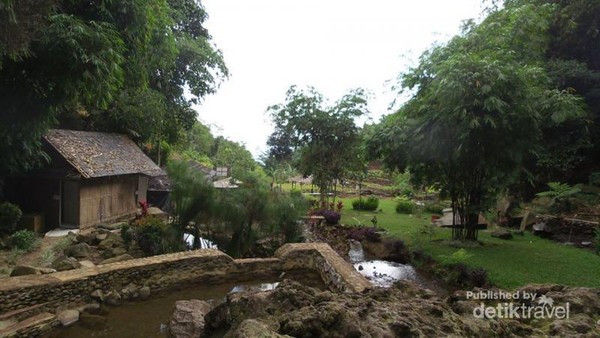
<point>379,272</point>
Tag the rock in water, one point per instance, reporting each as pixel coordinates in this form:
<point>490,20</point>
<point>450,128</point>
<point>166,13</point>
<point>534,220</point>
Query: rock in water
<point>112,298</point>
<point>68,317</point>
<point>145,292</point>
<point>187,320</point>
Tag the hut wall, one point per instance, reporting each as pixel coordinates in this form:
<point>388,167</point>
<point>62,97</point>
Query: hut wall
<point>107,199</point>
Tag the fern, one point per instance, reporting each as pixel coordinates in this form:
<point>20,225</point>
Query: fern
<point>559,191</point>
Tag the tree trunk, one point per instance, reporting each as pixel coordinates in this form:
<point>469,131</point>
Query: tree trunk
<point>471,227</point>
<point>334,192</point>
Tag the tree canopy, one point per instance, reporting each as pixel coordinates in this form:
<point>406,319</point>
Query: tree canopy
<point>479,108</point>
<point>116,66</point>
<point>320,139</point>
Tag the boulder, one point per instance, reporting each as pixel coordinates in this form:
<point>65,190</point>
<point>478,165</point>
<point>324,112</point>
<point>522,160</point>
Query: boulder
<point>87,264</point>
<point>71,237</point>
<point>98,295</point>
<point>112,240</point>
<point>266,247</point>
<point>112,298</point>
<point>131,291</point>
<point>118,251</point>
<point>65,263</point>
<point>101,237</point>
<point>107,253</point>
<point>121,258</point>
<point>88,237</point>
<point>251,328</point>
<point>576,326</point>
<point>106,244</point>
<point>403,310</point>
<point>542,229</point>
<point>22,270</point>
<point>188,318</point>
<point>502,234</point>
<point>80,250</point>
<point>92,308</point>
<point>156,212</point>
<point>67,317</point>
<point>145,292</point>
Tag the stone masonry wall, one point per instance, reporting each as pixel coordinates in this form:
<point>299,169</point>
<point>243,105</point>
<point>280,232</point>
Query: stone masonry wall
<point>334,270</point>
<point>72,287</point>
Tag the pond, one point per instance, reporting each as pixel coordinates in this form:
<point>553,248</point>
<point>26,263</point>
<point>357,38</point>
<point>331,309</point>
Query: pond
<point>149,318</point>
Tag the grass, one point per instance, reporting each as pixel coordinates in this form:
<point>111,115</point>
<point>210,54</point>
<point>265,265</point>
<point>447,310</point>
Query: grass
<point>510,264</point>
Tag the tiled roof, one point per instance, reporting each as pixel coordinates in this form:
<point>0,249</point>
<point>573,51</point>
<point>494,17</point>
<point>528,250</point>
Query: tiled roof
<point>95,154</point>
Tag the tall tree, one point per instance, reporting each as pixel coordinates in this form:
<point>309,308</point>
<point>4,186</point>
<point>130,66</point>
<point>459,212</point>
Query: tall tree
<point>477,110</point>
<point>323,136</point>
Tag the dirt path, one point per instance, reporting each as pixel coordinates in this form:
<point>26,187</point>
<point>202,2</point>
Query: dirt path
<point>41,256</point>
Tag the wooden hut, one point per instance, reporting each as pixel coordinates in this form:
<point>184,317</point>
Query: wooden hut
<point>92,178</point>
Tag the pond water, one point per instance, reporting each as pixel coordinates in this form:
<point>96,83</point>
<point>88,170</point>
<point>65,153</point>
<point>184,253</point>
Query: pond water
<point>379,272</point>
<point>149,318</point>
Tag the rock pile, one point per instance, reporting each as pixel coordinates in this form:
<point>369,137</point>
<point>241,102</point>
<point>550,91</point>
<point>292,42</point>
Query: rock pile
<point>405,310</point>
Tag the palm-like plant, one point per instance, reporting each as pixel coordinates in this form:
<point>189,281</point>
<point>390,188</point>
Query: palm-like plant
<point>559,194</point>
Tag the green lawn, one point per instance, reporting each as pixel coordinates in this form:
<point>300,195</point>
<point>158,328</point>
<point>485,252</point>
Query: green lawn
<point>510,264</point>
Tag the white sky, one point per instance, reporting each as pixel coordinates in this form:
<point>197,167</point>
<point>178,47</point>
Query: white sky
<point>333,45</point>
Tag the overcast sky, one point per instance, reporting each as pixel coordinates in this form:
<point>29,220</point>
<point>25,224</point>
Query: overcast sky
<point>333,45</point>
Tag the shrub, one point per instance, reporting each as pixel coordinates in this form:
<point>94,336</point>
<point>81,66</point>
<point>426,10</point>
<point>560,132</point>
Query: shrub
<point>595,178</point>
<point>127,235</point>
<point>154,236</point>
<point>24,240</point>
<point>359,234</point>
<point>286,210</point>
<point>10,214</point>
<point>150,239</point>
<point>405,207</point>
<point>397,252</point>
<point>331,217</point>
<point>369,204</point>
<point>434,208</point>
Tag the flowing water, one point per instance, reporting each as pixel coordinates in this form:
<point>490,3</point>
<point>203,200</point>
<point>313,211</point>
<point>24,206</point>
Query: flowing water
<point>379,272</point>
<point>204,243</point>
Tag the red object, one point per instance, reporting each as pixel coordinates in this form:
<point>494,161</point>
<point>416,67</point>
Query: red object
<point>434,218</point>
<point>144,205</point>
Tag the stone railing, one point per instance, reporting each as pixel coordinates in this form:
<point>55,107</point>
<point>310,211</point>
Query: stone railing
<point>333,269</point>
<point>156,273</point>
